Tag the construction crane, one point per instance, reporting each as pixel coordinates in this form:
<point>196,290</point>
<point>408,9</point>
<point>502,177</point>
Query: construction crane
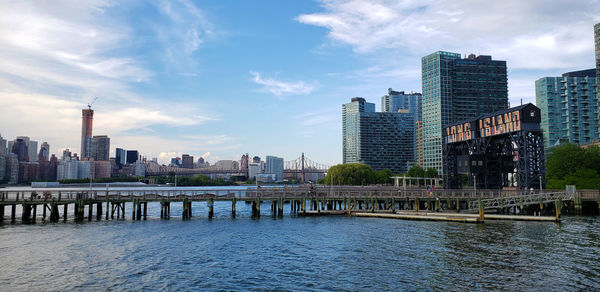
<point>90,104</point>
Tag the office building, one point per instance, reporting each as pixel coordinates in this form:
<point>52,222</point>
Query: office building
<point>253,170</point>
<point>120,157</point>
<point>2,168</point>
<point>274,166</point>
<point>12,168</point>
<point>100,148</point>
<point>32,148</point>
<point>396,101</point>
<point>19,147</point>
<point>187,161</point>
<point>569,108</point>
<point>44,154</point>
<point>456,89</point>
<point>382,140</point>
<point>3,151</point>
<point>132,156</point>
<point>87,116</point>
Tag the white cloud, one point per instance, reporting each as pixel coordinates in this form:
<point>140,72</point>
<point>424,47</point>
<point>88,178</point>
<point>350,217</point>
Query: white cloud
<point>280,88</point>
<point>56,56</point>
<point>537,38</point>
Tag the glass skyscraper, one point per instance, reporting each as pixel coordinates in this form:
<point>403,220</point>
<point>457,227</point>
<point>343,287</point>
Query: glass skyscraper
<point>455,89</point>
<point>382,140</point>
<point>569,108</point>
<point>398,101</point>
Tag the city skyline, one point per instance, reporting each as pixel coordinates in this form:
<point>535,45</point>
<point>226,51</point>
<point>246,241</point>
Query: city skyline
<point>214,81</point>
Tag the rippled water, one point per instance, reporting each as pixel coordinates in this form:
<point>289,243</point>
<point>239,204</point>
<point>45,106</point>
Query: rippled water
<point>297,253</point>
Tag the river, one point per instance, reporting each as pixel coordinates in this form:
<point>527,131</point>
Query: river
<point>298,253</point>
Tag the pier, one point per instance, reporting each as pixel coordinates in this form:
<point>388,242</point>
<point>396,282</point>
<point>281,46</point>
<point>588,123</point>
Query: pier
<point>379,201</point>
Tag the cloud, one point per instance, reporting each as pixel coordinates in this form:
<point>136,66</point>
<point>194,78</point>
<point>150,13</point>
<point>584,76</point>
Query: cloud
<point>529,31</point>
<point>56,56</point>
<point>280,88</point>
<point>537,38</point>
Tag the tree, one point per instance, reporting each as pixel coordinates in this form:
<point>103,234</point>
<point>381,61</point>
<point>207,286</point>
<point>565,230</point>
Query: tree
<point>416,171</point>
<point>350,174</point>
<point>431,172</point>
<point>569,164</point>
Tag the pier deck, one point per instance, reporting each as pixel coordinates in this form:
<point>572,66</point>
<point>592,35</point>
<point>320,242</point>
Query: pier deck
<point>383,202</point>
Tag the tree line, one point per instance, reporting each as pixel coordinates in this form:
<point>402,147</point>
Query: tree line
<point>362,174</point>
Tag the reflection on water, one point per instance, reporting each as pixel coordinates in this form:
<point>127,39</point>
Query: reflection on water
<point>295,253</point>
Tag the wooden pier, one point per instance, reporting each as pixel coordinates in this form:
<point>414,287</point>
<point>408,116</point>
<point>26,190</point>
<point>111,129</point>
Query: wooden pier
<point>382,202</point>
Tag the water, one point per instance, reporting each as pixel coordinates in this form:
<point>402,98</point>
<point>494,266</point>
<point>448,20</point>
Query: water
<point>298,253</point>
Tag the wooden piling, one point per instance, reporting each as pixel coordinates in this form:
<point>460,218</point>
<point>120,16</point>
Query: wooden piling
<point>13,212</point>
<point>233,202</point>
<point>65,208</point>
<point>211,206</point>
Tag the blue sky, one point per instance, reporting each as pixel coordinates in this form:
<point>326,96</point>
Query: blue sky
<point>222,78</point>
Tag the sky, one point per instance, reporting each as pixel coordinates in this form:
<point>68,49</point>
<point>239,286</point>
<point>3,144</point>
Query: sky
<point>219,79</point>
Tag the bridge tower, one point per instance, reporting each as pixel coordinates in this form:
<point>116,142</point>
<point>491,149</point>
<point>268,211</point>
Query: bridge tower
<point>303,174</point>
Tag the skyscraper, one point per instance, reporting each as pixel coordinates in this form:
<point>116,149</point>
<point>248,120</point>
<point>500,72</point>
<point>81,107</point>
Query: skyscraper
<point>569,108</point>
<point>396,101</point>
<point>456,89</point>
<point>100,148</point>
<point>381,140</point>
<point>132,156</point>
<point>44,154</point>
<point>275,166</point>
<point>3,150</point>
<point>187,161</point>
<point>31,147</point>
<point>19,148</point>
<point>86,132</point>
<point>120,157</point>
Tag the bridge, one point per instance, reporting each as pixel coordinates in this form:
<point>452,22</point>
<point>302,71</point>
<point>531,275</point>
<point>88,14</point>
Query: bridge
<point>301,169</point>
<point>374,201</point>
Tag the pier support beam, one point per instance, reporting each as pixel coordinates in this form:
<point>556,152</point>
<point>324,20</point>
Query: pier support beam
<point>233,203</point>
<point>211,210</point>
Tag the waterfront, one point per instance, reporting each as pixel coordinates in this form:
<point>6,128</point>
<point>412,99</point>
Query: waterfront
<point>299,253</point>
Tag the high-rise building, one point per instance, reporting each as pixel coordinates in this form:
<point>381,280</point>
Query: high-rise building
<point>3,150</point>
<point>244,162</point>
<point>456,89</point>
<point>2,168</point>
<point>275,166</point>
<point>12,168</point>
<point>253,170</point>
<point>100,148</point>
<point>32,148</point>
<point>19,148</point>
<point>382,140</point>
<point>597,45</point>
<point>569,108</point>
<point>398,101</point>
<point>66,154</point>
<point>120,157</point>
<point>44,154</point>
<point>187,161</point>
<point>87,116</point>
<point>132,156</point>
